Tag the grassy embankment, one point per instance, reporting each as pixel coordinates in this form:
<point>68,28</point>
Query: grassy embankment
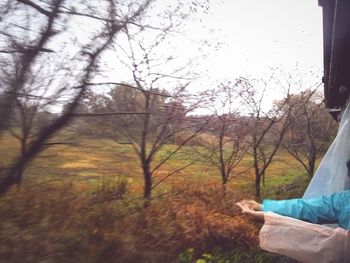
<point>83,204</point>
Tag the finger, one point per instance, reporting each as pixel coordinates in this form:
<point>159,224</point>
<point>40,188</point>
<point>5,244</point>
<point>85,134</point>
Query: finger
<point>254,205</point>
<point>240,206</point>
<point>255,214</point>
<point>243,207</point>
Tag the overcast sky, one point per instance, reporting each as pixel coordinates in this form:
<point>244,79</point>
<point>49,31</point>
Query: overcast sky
<point>254,36</point>
<point>259,34</point>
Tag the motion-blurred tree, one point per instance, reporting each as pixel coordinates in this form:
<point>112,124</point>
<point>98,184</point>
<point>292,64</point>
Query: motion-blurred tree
<point>37,38</point>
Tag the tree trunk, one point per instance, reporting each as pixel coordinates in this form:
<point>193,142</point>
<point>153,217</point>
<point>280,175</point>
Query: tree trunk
<point>223,186</point>
<point>257,175</point>
<point>263,178</point>
<point>148,181</point>
<point>145,161</point>
<point>12,177</point>
<point>312,161</point>
<point>257,187</point>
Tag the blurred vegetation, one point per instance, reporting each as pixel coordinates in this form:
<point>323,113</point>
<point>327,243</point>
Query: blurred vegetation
<point>99,171</point>
<point>86,205</point>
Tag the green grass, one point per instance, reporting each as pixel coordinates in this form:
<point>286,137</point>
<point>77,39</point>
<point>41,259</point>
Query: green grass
<point>84,204</point>
<point>97,159</point>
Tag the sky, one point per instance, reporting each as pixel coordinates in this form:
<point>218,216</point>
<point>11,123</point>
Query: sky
<point>246,38</point>
<point>251,38</point>
<point>259,34</point>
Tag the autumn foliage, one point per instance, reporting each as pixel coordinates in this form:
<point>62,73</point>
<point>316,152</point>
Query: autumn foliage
<point>55,223</point>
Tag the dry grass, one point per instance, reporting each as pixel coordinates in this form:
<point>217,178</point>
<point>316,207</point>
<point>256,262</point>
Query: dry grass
<point>59,224</point>
<point>82,204</point>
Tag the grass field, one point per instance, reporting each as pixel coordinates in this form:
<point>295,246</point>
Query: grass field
<point>84,204</point>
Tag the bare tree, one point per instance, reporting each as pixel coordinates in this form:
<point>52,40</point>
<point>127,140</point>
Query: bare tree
<point>146,120</point>
<point>267,126</point>
<point>154,98</point>
<point>224,145</point>
<point>22,53</point>
<point>310,131</point>
<point>156,119</point>
<point>24,123</point>
<point>30,112</point>
<point>28,50</point>
<point>142,112</point>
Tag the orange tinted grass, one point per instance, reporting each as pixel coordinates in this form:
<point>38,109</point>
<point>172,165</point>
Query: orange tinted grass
<point>58,223</point>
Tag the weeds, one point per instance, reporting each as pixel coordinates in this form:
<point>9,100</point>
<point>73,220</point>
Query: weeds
<point>58,223</point>
<point>100,217</point>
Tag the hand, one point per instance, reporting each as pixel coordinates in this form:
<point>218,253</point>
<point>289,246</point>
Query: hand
<point>252,208</point>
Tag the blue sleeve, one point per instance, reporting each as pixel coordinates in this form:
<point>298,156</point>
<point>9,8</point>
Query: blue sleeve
<point>326,209</point>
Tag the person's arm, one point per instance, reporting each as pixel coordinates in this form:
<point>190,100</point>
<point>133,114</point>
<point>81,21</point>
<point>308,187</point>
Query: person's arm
<point>326,209</point>
<point>317,210</point>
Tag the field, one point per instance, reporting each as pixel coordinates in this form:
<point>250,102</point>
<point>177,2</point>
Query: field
<point>83,203</point>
